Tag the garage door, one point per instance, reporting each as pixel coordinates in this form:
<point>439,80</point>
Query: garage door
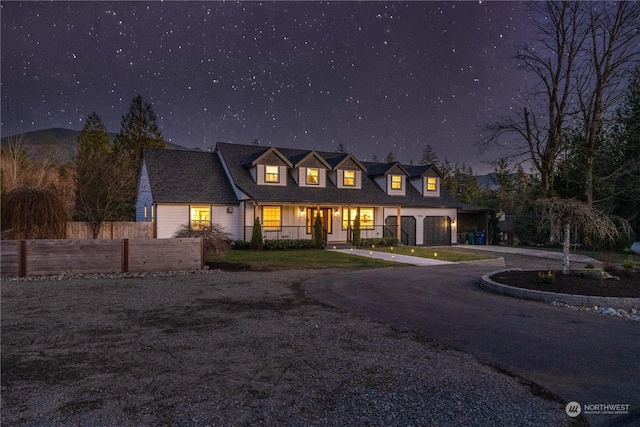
<point>407,229</point>
<point>437,231</point>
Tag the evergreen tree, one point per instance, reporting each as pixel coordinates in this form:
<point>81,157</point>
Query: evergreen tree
<point>103,178</point>
<point>390,157</point>
<point>93,139</point>
<point>429,157</point>
<point>138,130</point>
<point>256,237</point>
<point>341,148</point>
<point>317,232</point>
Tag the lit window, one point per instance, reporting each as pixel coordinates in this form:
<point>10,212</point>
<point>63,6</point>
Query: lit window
<point>396,182</point>
<point>200,217</point>
<point>349,179</point>
<point>312,176</point>
<point>271,174</point>
<point>432,184</point>
<point>349,216</point>
<point>271,218</point>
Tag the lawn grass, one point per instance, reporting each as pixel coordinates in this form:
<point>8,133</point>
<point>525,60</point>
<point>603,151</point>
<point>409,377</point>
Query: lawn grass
<point>303,259</point>
<point>442,254</point>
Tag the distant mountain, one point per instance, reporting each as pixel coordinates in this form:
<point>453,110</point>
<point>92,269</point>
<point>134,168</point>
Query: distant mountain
<point>487,181</point>
<point>60,144</point>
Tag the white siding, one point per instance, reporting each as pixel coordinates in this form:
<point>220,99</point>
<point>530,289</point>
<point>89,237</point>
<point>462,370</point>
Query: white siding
<point>227,220</point>
<point>144,196</point>
<point>169,218</point>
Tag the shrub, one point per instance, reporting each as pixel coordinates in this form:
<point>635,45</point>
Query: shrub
<point>356,229</point>
<point>214,237</point>
<point>546,277</point>
<point>256,238</point>
<point>379,241</point>
<point>241,245</point>
<point>589,266</point>
<point>317,233</point>
<point>628,263</point>
<point>34,213</point>
<point>277,245</point>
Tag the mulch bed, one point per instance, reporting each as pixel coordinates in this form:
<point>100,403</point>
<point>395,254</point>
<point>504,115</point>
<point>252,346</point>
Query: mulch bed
<point>625,285</point>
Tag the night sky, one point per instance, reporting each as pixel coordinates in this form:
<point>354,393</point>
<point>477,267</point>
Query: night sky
<point>377,77</point>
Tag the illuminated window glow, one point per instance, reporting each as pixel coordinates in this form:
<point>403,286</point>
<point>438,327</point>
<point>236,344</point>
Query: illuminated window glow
<point>349,178</point>
<point>312,176</point>
<point>432,184</point>
<point>396,182</point>
<point>271,218</point>
<point>366,218</point>
<point>271,174</point>
<point>200,217</point>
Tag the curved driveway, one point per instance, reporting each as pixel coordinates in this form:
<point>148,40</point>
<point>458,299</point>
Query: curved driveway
<point>577,355</point>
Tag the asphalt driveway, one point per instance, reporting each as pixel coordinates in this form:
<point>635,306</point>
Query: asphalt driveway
<point>571,355</point>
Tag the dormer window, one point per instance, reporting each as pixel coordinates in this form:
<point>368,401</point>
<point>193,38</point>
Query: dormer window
<point>432,184</point>
<point>396,182</point>
<point>313,176</point>
<point>349,178</point>
<point>271,174</point>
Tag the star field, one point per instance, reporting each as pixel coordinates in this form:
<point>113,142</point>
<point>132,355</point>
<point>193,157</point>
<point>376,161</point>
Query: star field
<point>376,77</point>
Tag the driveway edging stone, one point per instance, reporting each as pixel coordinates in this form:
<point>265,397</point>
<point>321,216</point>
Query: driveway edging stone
<point>544,296</point>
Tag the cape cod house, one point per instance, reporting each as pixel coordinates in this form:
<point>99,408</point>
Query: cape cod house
<point>287,188</point>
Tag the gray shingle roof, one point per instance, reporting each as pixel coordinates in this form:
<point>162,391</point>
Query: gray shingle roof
<point>236,156</point>
<point>178,176</point>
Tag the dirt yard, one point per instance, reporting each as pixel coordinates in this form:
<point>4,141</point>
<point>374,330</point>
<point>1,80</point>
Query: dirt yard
<point>240,348</point>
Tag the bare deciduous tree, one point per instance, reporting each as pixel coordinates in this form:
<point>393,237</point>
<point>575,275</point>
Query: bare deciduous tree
<point>569,214</point>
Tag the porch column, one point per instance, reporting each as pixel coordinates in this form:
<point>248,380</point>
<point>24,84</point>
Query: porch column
<point>398,227</point>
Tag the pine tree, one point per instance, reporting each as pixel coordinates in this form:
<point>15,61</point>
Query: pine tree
<point>429,157</point>
<point>93,139</point>
<point>138,130</point>
<point>341,148</point>
<point>103,178</point>
<point>390,157</point>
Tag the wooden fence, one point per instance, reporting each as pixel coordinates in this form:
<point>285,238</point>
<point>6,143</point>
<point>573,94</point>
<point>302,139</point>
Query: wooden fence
<point>23,258</point>
<point>111,230</point>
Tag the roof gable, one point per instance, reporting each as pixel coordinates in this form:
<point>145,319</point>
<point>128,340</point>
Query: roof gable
<point>263,156</point>
<point>304,158</point>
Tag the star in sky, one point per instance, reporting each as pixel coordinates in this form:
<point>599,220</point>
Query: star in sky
<point>376,77</point>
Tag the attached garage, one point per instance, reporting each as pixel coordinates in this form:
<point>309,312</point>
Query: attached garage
<point>407,229</point>
<point>437,231</point>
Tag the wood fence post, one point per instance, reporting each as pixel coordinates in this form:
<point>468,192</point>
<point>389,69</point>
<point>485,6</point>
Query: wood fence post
<point>125,255</point>
<point>22,258</point>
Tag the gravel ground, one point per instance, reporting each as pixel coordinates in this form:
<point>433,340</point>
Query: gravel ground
<point>234,349</point>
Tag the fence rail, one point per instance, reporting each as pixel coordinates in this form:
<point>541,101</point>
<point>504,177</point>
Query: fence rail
<point>21,258</point>
<point>111,230</point>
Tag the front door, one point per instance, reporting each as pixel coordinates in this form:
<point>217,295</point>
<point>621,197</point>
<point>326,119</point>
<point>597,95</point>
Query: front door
<point>325,216</point>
